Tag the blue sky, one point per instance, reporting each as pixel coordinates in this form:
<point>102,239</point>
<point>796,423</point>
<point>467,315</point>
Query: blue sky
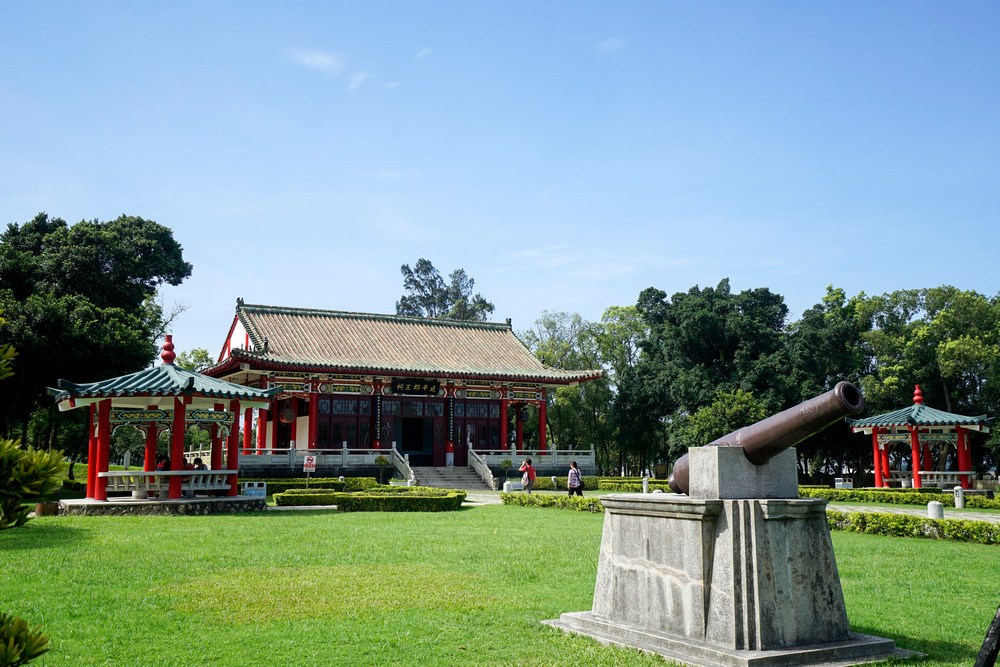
<point>567,155</point>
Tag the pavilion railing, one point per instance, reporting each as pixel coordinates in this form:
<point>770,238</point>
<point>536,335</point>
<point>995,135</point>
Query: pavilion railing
<point>482,469</point>
<point>540,457</point>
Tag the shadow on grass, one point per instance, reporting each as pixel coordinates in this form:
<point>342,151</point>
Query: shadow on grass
<point>935,650</point>
<point>40,535</point>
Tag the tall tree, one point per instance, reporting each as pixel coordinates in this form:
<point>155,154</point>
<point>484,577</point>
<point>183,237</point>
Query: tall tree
<point>427,294</point>
<point>80,303</point>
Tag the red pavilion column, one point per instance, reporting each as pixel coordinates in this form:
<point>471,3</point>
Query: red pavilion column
<point>177,446</point>
<point>247,430</point>
<point>216,457</point>
<point>293,426</point>
<point>261,430</point>
<point>233,448</point>
<point>92,452</point>
<point>964,457</point>
<point>149,459</point>
<point>313,420</point>
<point>103,448</point>
<point>877,459</point>
<point>504,419</point>
<point>542,412</point>
<point>377,410</point>
<point>915,454</point>
<point>928,458</point>
<point>449,414</point>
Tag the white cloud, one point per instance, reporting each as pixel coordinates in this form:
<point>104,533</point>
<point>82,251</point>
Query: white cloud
<point>610,45</point>
<point>389,85</point>
<point>357,80</point>
<point>324,61</point>
<point>424,52</point>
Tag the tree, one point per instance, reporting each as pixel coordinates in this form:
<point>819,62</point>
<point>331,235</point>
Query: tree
<point>731,410</point>
<point>81,304</point>
<point>427,295</point>
<point>194,360</point>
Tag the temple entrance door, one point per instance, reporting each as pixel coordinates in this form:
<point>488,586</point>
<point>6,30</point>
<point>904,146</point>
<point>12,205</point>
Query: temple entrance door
<point>416,440</point>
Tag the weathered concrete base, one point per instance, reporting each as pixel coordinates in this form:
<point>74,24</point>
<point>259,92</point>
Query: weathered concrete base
<point>722,582</point>
<point>186,506</point>
<point>855,650</point>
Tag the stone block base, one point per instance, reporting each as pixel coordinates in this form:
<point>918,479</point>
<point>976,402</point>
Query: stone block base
<point>857,649</point>
<point>186,506</point>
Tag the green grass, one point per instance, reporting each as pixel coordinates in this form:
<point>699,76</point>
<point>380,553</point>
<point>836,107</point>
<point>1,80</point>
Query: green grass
<point>462,588</point>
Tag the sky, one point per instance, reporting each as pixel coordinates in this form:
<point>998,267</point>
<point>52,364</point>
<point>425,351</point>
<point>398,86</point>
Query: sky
<point>567,155</point>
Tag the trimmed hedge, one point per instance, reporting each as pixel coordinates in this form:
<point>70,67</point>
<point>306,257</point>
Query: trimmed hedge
<point>544,483</point>
<point>915,497</point>
<point>378,499</point>
<point>282,484</point>
<point>552,500</point>
<point>634,487</point>
<point>907,525</point>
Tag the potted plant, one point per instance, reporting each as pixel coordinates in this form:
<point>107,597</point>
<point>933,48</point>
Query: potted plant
<point>506,464</point>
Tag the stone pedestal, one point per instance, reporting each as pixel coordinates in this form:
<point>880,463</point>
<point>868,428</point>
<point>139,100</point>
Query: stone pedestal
<point>717,580</point>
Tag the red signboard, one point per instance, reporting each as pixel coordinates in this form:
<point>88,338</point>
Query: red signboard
<point>309,464</point>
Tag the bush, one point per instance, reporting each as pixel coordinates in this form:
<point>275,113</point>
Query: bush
<point>545,483</point>
<point>633,487</point>
<point>549,500</point>
<point>378,499</point>
<point>18,642</point>
<point>25,474</point>
<point>910,497</point>
<point>282,484</point>
<point>906,525</point>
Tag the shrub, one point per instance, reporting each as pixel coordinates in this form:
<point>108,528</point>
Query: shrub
<point>280,485</point>
<point>544,483</point>
<point>378,499</point>
<point>906,525</point>
<point>550,500</point>
<point>633,487</point>
<point>910,497</point>
<point>25,474</point>
<point>18,642</point>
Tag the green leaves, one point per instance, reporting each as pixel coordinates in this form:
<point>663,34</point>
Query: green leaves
<point>25,474</point>
<point>427,295</point>
<point>20,643</point>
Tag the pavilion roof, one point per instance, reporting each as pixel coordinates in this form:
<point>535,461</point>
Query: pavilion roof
<point>160,381</point>
<point>309,340</point>
<point>919,414</point>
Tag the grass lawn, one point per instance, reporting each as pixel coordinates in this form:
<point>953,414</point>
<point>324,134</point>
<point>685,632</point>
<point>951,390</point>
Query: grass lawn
<point>457,588</point>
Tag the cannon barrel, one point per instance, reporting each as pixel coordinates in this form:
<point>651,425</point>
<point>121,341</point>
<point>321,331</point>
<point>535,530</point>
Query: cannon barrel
<point>769,437</point>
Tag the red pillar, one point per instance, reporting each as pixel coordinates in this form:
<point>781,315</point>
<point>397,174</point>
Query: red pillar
<point>293,430</point>
<point>542,412</point>
<point>964,457</point>
<point>928,458</point>
<point>92,452</point>
<point>103,448</point>
<point>149,459</point>
<point>177,446</point>
<point>313,419</point>
<point>504,426</point>
<point>377,410</point>
<point>247,428</point>
<point>216,456</point>
<point>915,454</point>
<point>233,448</point>
<point>261,430</point>
<point>877,459</point>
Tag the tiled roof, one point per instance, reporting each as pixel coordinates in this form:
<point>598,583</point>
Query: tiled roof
<point>298,339</point>
<point>918,415</point>
<point>162,380</point>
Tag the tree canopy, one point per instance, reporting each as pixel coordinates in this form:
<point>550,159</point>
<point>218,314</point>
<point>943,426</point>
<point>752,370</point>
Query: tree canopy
<point>428,295</point>
<point>80,303</point>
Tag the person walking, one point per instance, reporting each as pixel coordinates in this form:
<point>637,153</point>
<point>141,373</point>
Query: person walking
<point>528,479</point>
<point>574,481</point>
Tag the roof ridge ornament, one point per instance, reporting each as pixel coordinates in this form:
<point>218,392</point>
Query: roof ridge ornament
<point>168,355</point>
<point>918,396</point>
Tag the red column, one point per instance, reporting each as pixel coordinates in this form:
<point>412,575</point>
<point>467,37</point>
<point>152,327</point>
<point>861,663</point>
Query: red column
<point>928,459</point>
<point>293,431</point>
<point>177,446</point>
<point>915,454</point>
<point>964,457</point>
<point>377,410</point>
<point>261,430</point>
<point>542,411</point>
<point>313,419</point>
<point>216,456</point>
<point>92,452</point>
<point>233,448</point>
<point>877,459</point>
<point>504,426</point>
<point>247,428</point>
<point>103,448</point>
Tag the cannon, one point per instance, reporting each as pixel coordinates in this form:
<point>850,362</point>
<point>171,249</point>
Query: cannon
<point>769,437</point>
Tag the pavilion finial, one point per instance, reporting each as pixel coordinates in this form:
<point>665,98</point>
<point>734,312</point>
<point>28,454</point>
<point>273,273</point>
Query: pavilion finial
<point>918,396</point>
<point>168,355</point>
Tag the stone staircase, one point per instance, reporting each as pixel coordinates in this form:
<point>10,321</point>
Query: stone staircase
<point>450,478</point>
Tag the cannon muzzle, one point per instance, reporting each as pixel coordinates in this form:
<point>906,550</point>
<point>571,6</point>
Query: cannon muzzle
<point>769,437</point>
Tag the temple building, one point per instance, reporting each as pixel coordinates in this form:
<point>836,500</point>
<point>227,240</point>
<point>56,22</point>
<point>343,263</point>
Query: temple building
<point>431,389</point>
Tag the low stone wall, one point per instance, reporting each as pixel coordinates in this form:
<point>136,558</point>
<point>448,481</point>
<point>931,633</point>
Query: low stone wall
<point>184,506</point>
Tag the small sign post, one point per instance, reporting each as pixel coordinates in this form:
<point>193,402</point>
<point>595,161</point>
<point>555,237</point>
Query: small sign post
<point>308,466</point>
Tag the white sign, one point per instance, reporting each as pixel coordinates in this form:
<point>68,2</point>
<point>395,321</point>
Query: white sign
<point>309,464</point>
